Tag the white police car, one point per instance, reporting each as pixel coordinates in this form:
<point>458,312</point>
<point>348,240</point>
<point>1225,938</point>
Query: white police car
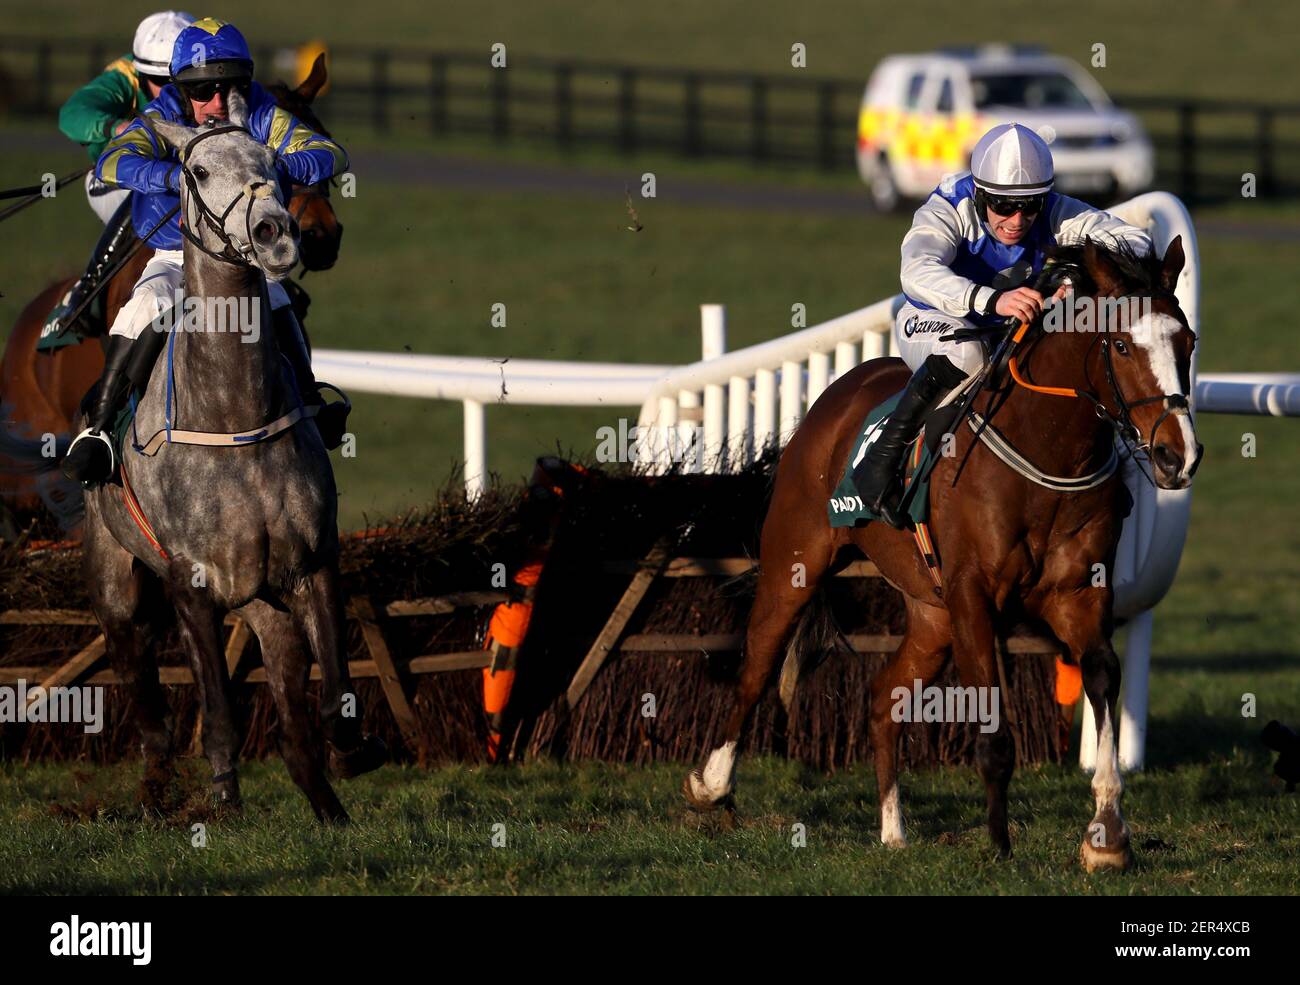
<point>922,114</point>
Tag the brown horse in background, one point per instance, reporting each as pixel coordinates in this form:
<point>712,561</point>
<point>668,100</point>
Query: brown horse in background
<point>40,393</point>
<point>1011,550</point>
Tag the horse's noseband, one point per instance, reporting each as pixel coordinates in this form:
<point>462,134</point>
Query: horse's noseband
<point>1171,403</point>
<point>252,191</point>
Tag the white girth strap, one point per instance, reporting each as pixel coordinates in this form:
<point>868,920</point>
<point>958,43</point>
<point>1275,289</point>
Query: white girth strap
<point>1002,448</point>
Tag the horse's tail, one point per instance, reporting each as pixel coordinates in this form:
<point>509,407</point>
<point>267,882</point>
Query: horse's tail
<point>815,637</point>
<point>37,460</point>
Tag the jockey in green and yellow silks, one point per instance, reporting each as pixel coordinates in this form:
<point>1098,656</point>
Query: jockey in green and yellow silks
<point>92,116</point>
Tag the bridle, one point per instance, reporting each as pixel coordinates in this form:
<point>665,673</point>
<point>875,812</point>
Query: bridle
<point>1122,423</point>
<point>1171,403</point>
<point>251,191</point>
<point>304,194</point>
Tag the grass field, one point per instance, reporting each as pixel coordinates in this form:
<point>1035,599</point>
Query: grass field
<point>421,267</point>
<point>1218,827</point>
<point>1222,48</point>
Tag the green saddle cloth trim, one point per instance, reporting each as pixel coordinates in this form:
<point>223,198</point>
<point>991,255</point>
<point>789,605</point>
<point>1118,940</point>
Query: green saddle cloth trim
<point>846,507</point>
<point>49,342</point>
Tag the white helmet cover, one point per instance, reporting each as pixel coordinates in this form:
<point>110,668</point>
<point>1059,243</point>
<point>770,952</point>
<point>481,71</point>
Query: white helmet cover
<point>155,38</point>
<point>1012,160</point>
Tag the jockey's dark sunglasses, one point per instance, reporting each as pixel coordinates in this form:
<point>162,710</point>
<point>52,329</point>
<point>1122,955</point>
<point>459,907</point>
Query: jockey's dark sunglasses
<point>204,90</point>
<point>1005,207</point>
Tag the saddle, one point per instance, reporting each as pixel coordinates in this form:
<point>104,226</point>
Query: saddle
<point>847,508</point>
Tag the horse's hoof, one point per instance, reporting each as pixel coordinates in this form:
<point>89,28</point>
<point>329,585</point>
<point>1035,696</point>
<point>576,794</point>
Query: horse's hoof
<point>698,796</point>
<point>225,793</point>
<point>370,754</point>
<point>153,798</point>
<point>1097,859</point>
<point>894,841</point>
<point>335,820</point>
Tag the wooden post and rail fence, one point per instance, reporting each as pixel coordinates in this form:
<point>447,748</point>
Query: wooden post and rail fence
<point>1203,146</point>
<point>394,670</point>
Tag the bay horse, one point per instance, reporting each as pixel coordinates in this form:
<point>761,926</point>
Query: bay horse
<point>238,512</point>
<point>40,393</point>
<point>1011,550</point>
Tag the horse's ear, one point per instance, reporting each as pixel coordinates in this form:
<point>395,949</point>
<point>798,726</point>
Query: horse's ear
<point>1102,270</point>
<point>238,109</point>
<point>176,134</point>
<point>315,80</point>
<point>1172,265</point>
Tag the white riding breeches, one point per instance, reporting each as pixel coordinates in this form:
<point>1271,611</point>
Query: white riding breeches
<point>104,199</point>
<point>917,332</point>
<point>156,291</point>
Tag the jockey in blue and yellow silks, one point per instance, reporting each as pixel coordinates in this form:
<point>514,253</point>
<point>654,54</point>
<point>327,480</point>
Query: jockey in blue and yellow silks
<point>209,60</point>
<point>210,56</point>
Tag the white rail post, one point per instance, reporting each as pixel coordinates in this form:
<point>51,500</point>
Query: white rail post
<point>1133,700</point>
<point>666,434</point>
<point>791,398</point>
<point>738,426</point>
<point>475,448</point>
<point>764,410</point>
<point>713,343</point>
<point>873,345</point>
<point>685,451</point>
<point>846,357</point>
<point>819,375</point>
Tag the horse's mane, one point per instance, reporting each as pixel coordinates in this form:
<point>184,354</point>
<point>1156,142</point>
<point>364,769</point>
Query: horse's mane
<point>288,99</point>
<point>1141,271</point>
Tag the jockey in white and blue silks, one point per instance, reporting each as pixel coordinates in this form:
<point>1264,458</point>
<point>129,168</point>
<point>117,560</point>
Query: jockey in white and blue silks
<point>974,244</point>
<point>209,60</point>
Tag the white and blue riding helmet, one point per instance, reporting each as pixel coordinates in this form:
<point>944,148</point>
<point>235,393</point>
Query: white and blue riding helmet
<point>154,40</point>
<point>1011,161</point>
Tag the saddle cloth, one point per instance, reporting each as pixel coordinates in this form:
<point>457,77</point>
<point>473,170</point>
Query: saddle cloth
<point>846,507</point>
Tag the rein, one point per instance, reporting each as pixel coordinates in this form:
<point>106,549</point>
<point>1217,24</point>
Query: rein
<point>31,194</point>
<point>1172,403</point>
<point>305,193</point>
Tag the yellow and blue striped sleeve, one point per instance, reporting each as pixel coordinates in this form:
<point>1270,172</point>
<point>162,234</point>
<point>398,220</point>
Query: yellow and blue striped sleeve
<point>134,159</point>
<point>308,156</point>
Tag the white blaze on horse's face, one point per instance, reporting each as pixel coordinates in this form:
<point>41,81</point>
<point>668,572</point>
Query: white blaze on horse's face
<point>1165,342</point>
<point>228,168</point>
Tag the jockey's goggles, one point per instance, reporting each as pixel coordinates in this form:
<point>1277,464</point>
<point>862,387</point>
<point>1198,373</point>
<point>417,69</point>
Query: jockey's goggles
<point>1006,206</point>
<point>204,89</point>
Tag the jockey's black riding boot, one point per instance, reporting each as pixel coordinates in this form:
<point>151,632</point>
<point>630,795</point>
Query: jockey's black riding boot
<point>331,419</point>
<point>878,476</point>
<point>118,234</point>
<point>90,459</point>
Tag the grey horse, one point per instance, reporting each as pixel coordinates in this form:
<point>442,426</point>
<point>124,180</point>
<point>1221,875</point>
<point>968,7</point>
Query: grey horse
<point>249,528</point>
